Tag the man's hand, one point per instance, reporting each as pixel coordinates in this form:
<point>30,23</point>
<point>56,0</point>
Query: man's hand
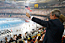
<point>28,15</point>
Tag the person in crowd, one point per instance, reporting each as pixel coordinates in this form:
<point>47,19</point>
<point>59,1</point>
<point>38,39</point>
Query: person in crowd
<point>43,34</point>
<point>64,25</point>
<point>38,38</point>
<point>32,35</point>
<point>6,40</point>
<point>29,40</point>
<point>39,30</point>
<point>54,27</point>
<point>17,37</point>
<point>20,40</point>
<point>11,40</point>
<point>64,39</point>
<point>20,35</point>
<point>14,37</point>
<point>25,40</point>
<point>1,41</point>
<point>25,35</point>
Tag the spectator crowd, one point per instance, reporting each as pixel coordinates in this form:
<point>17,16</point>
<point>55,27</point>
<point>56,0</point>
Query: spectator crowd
<point>36,36</point>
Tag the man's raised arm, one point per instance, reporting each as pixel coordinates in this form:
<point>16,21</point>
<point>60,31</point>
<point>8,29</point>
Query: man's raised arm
<point>39,21</point>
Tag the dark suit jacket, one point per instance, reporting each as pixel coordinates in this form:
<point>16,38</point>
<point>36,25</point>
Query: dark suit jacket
<point>54,30</point>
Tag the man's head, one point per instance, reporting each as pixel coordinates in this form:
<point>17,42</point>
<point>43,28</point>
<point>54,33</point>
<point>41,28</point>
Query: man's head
<point>55,14</point>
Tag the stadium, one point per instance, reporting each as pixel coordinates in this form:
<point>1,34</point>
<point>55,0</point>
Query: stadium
<point>16,27</point>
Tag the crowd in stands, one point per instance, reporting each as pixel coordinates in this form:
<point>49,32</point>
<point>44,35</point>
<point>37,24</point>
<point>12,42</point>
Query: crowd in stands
<point>59,4</point>
<point>34,11</point>
<point>36,36</point>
